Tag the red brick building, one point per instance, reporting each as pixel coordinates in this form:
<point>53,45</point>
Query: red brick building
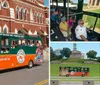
<point>24,15</point>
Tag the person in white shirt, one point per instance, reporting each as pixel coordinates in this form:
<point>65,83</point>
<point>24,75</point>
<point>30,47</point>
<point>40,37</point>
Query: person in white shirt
<point>81,31</point>
<point>31,44</point>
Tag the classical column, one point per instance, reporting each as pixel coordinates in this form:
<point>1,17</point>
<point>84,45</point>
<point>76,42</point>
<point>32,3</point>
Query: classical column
<point>99,3</point>
<point>91,3</point>
<point>96,1</point>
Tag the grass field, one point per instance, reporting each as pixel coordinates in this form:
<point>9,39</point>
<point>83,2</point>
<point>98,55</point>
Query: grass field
<point>91,20</point>
<point>95,11</point>
<point>74,60</point>
<point>94,68</point>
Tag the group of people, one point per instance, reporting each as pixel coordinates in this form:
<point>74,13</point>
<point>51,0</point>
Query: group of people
<point>65,26</point>
<point>30,43</point>
<point>4,50</point>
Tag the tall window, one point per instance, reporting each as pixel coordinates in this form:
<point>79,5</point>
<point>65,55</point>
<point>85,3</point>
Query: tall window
<point>41,18</point>
<point>31,14</point>
<point>17,13</point>
<point>0,4</point>
<point>43,21</point>
<point>21,13</point>
<point>5,29</point>
<point>25,14</point>
<point>5,4</point>
<point>38,17</point>
<point>35,16</point>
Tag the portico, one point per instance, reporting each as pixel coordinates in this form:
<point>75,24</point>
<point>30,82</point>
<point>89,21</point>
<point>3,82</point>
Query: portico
<point>93,3</point>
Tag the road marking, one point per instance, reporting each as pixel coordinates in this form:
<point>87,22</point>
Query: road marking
<point>42,82</point>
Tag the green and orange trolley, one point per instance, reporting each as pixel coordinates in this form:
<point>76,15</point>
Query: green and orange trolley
<point>16,51</point>
<point>74,71</point>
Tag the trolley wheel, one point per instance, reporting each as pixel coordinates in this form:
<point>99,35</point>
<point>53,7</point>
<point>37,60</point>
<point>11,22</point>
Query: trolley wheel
<point>67,75</point>
<point>83,75</point>
<point>30,64</point>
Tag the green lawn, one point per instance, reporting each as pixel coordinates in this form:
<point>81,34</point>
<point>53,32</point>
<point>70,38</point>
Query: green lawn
<point>74,60</point>
<point>94,68</point>
<point>95,11</point>
<point>91,19</point>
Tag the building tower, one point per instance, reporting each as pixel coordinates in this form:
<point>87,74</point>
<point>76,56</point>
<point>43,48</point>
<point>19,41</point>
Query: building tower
<point>75,53</point>
<point>74,46</point>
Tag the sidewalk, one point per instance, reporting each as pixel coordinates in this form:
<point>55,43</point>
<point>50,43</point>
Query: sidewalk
<point>46,54</point>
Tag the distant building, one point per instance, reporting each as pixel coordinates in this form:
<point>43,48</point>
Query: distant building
<point>94,3</point>
<point>75,53</point>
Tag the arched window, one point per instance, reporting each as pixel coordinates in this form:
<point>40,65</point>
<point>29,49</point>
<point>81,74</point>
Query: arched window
<point>5,4</point>
<point>38,17</point>
<point>17,12</point>
<point>35,16</point>
<point>31,14</point>
<point>5,29</point>
<point>0,4</point>
<point>25,14</point>
<point>41,18</point>
<point>21,13</point>
<point>16,31</point>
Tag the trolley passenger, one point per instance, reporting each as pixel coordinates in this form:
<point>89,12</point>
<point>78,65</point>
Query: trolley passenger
<point>64,27</point>
<point>81,31</point>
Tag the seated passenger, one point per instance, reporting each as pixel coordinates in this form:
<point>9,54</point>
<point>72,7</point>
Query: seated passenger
<point>81,31</point>
<point>37,43</point>
<point>7,50</point>
<point>70,24</point>
<point>32,43</point>
<point>64,27</point>
<point>54,14</point>
<point>58,19</point>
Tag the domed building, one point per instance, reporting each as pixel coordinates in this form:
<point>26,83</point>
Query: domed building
<point>76,53</point>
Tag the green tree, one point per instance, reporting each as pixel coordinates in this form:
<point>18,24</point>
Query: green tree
<point>98,59</point>
<point>66,52</point>
<point>52,54</point>
<point>91,54</point>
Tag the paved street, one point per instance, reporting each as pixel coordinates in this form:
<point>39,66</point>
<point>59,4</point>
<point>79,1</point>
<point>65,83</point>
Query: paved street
<point>76,83</point>
<point>38,75</point>
<point>74,80</point>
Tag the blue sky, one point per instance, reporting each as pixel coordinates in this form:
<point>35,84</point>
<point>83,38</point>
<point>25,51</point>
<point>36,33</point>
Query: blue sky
<point>46,3</point>
<point>83,47</point>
